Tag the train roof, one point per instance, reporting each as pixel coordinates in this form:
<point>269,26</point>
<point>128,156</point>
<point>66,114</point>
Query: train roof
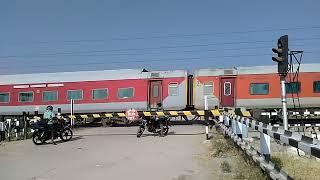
<point>87,76</point>
<point>254,70</point>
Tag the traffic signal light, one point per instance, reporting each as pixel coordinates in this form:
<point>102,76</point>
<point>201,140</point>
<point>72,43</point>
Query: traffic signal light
<point>282,58</point>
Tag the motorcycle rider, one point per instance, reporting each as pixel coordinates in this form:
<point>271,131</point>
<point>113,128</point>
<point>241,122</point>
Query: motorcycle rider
<point>49,117</point>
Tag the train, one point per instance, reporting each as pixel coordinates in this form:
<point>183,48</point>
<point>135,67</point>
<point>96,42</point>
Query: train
<point>256,87</point>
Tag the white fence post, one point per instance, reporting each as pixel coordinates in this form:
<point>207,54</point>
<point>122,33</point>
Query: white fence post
<point>233,124</point>
<point>206,116</point>
<point>9,127</point>
<point>238,127</point>
<point>265,147</point>
<point>245,128</point>
<point>16,127</point>
<point>72,112</point>
<point>221,119</point>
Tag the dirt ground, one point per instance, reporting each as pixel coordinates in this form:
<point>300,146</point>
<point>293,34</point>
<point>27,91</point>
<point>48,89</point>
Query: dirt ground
<point>116,153</point>
<point>109,153</point>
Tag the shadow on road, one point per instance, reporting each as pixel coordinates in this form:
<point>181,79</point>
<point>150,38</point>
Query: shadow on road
<point>111,134</point>
<point>185,134</point>
<point>75,138</point>
<point>172,133</point>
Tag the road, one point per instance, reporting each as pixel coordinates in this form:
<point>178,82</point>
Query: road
<point>109,153</point>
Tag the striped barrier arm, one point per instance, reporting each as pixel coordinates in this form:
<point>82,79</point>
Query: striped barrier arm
<point>267,166</point>
<point>214,112</point>
<point>307,144</point>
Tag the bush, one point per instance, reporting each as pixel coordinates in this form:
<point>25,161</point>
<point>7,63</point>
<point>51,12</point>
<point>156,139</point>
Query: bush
<point>225,166</point>
<point>277,162</point>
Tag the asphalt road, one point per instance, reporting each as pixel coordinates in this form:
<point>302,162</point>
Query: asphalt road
<point>109,153</point>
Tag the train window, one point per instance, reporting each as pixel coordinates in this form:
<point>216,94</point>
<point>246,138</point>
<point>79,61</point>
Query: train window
<point>155,91</point>
<point>259,88</point>
<point>124,93</point>
<point>293,87</point>
<point>4,97</point>
<point>50,95</point>
<point>75,94</point>
<point>99,94</point>
<point>25,96</point>
<point>316,86</point>
<point>208,88</point>
<point>173,89</point>
<point>227,88</point>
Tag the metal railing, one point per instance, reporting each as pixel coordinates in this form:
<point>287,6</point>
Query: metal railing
<point>240,125</point>
<point>262,161</point>
<point>237,128</point>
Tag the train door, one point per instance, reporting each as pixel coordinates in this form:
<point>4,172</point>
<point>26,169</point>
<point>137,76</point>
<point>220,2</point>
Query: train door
<point>227,91</point>
<point>155,93</point>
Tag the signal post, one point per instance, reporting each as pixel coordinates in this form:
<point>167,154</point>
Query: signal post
<point>282,60</point>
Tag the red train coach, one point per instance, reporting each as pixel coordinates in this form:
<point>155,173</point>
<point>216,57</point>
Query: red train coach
<point>118,90</point>
<point>255,87</point>
<point>93,91</point>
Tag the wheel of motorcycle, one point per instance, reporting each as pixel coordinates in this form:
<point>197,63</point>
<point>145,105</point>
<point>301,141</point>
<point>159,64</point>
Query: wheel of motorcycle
<point>165,129</point>
<point>161,129</point>
<point>36,138</point>
<point>140,132</point>
<point>66,134</point>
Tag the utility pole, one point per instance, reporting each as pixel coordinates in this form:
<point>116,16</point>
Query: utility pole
<point>282,60</point>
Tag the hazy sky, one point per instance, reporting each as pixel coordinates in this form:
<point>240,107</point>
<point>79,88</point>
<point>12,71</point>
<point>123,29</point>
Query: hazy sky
<point>73,35</point>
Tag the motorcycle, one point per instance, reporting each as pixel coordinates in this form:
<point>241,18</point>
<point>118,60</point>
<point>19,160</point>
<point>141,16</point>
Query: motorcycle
<point>154,125</point>
<point>42,133</point>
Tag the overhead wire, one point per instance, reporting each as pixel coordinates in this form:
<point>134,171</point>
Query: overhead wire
<point>179,35</point>
<point>153,48</point>
<point>147,61</point>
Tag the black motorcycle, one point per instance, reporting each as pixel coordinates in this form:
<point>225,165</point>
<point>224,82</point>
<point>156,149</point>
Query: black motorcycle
<point>154,125</point>
<point>42,132</point>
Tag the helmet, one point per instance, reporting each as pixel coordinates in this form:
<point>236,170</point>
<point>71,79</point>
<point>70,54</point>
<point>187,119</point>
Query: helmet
<point>50,108</point>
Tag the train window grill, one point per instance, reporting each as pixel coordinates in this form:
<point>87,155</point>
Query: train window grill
<point>173,89</point>
<point>155,91</point>
<point>50,95</point>
<point>227,88</point>
<point>208,88</point>
<point>124,93</point>
<point>259,88</point>
<point>99,94</point>
<point>25,96</point>
<point>4,97</point>
<point>293,87</point>
<point>75,94</point>
<point>316,86</point>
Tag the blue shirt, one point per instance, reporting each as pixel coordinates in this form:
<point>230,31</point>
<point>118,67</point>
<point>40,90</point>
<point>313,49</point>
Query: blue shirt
<point>49,115</point>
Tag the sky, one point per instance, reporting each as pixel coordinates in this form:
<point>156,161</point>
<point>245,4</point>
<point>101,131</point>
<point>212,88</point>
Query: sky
<point>77,35</point>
